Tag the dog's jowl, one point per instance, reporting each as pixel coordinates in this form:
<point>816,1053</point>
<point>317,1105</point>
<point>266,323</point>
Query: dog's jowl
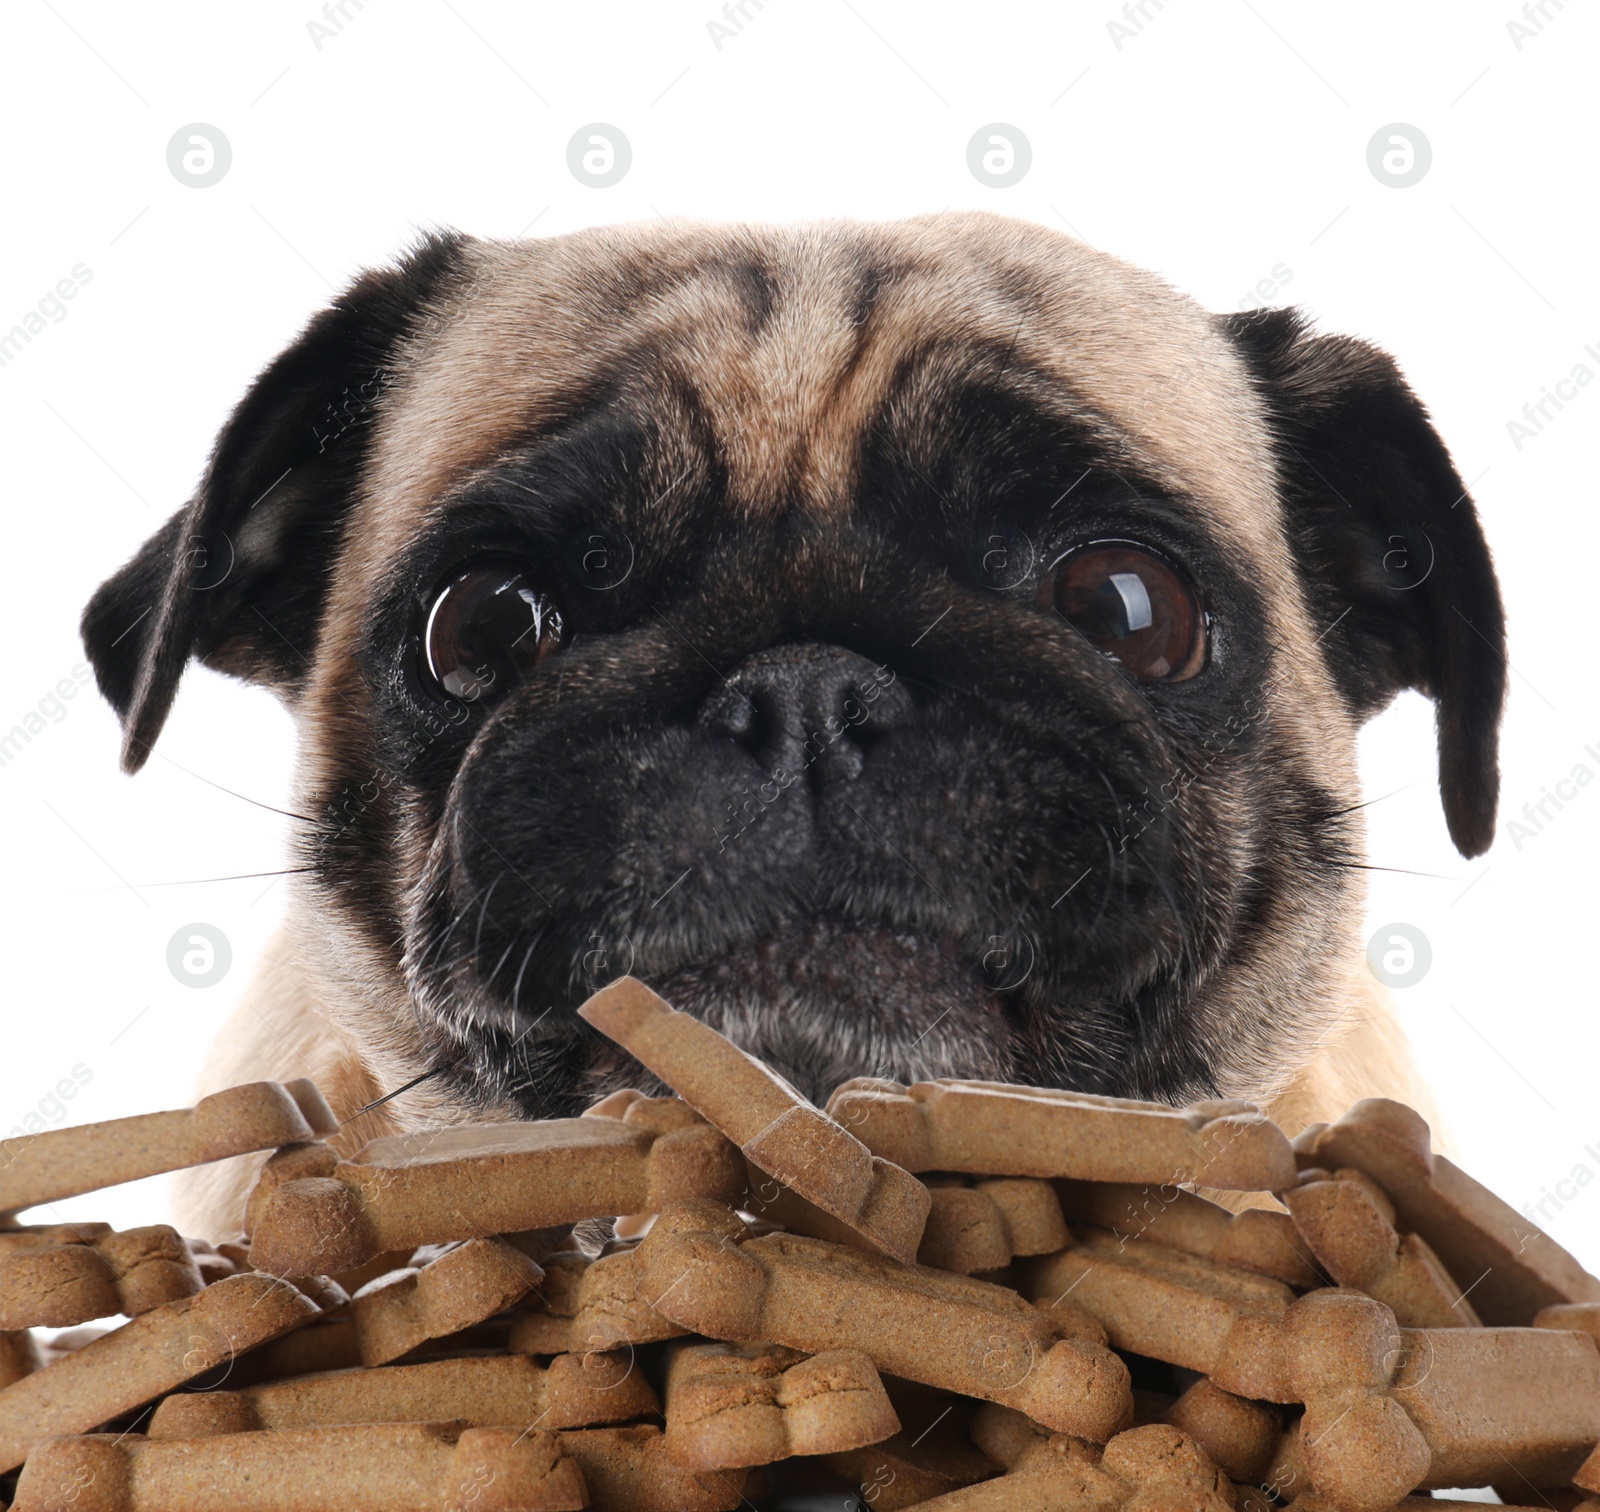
<point>932,648</point>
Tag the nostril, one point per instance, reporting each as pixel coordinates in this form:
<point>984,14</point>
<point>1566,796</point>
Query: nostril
<point>732,714</point>
<point>750,717</point>
<point>803,707</point>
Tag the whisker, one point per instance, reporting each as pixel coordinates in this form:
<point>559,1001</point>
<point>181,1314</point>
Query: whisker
<point>416,1081</point>
<point>242,797</point>
<point>1336,813</point>
<point>1399,871</point>
<point>287,871</point>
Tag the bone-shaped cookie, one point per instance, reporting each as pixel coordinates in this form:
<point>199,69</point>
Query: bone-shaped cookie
<point>704,1270</point>
<point>585,1303</point>
<point>1241,1436</point>
<point>994,1129</point>
<point>1158,1301</point>
<point>731,1405</point>
<point>1257,1239</point>
<point>1311,1502</point>
<point>474,1182</point>
<point>52,1277</point>
<point>485,1391</point>
<point>212,1264</point>
<point>1349,1224</point>
<point>1004,1434</point>
<point>1154,1468</point>
<point>930,1455</point>
<point>327,1343</point>
<point>388,1467</point>
<point>464,1285</point>
<point>59,1163</point>
<point>973,1224</point>
<point>145,1358</point>
<point>777,1129</point>
<point>631,1470</point>
<point>1510,1268</point>
<point>19,1356</point>
<point>1387,1409</point>
<point>1518,1405</point>
<point>1583,1317</point>
<point>983,1225</point>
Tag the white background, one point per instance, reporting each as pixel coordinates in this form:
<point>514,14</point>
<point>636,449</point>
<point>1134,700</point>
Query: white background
<point>1220,140</point>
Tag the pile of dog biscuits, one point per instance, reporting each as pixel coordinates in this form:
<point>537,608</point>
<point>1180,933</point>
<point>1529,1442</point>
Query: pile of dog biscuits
<point>957,1295</point>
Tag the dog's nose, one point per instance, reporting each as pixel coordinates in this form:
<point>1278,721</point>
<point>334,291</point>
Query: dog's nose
<point>807,708</point>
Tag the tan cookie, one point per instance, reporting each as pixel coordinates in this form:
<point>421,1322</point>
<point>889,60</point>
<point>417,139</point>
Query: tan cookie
<point>488,1391</point>
<point>478,1181</point>
<point>984,1225</point>
<point>1311,1502</point>
<point>904,1471</point>
<point>1152,1469</point>
<point>390,1467</point>
<point>1158,1301</point>
<point>59,1163</point>
<point>143,1359</point>
<point>589,1303</point>
<point>1497,1404</point>
<point>1257,1239</point>
<point>778,1130</point>
<point>704,1270</point>
<point>731,1405</point>
<point>19,1356</point>
<point>1583,1317</point>
<point>1510,1268</point>
<point>464,1285</point>
<point>211,1264</point>
<point>1004,1434</point>
<point>973,1225</point>
<point>320,1345</point>
<point>1349,1224</point>
<point>1241,1436</point>
<point>57,1276</point>
<point>993,1129</point>
<point>1387,1409</point>
<point>930,1455</point>
<point>630,1470</point>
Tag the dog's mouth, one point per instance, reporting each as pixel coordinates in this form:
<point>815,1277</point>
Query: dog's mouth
<point>903,980</point>
<point>828,998</point>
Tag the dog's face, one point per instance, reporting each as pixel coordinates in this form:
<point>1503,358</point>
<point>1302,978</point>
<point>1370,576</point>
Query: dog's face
<point>928,648</point>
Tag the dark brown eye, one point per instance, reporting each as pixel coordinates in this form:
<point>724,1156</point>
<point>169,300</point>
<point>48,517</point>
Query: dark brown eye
<point>1132,606</point>
<point>487,630</point>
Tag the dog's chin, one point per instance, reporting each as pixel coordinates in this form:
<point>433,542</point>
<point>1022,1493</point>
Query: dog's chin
<point>824,1000</point>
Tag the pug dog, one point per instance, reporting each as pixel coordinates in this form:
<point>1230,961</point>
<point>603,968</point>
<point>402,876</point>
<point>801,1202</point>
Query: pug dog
<point>933,648</point>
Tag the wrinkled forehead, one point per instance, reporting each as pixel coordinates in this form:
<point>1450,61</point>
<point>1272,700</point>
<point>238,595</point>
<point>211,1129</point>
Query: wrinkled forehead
<point>787,343</point>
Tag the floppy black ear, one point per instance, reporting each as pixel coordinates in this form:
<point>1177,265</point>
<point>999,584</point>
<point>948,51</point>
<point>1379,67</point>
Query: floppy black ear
<point>1390,547</point>
<point>239,575</point>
